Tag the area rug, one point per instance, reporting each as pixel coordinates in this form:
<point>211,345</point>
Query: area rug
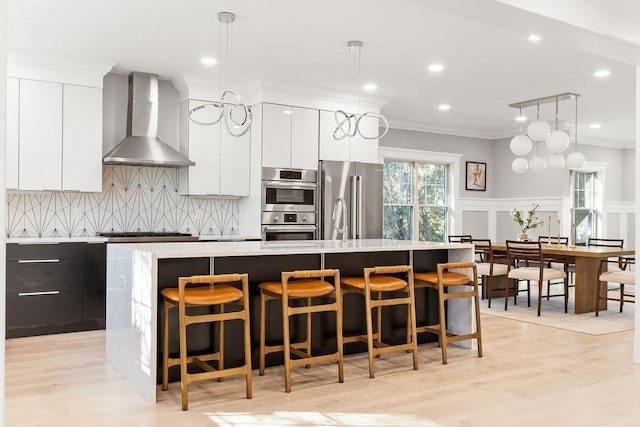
<point>608,322</point>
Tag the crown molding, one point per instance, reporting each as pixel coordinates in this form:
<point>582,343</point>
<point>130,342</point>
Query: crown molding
<point>608,143</point>
<point>440,129</point>
<point>57,68</point>
<point>279,92</point>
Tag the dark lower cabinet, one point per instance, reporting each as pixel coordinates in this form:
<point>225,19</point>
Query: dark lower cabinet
<point>53,288</point>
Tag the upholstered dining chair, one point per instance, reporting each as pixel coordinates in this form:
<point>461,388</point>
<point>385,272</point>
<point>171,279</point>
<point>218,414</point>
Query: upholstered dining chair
<point>488,268</point>
<point>519,252</point>
<point>618,271</point>
<point>624,276</point>
<point>570,268</point>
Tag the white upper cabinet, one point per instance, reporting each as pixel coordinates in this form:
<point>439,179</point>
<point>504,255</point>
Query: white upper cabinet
<point>222,162</point>
<point>356,149</point>
<point>304,138</point>
<point>365,150</point>
<point>54,123</point>
<point>40,136</point>
<point>81,138</point>
<point>276,136</point>
<point>235,168</point>
<point>289,137</point>
<point>13,125</point>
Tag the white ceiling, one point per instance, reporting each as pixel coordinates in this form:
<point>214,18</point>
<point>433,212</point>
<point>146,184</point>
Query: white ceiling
<point>489,62</point>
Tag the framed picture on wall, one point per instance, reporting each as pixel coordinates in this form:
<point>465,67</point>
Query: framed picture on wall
<point>476,176</point>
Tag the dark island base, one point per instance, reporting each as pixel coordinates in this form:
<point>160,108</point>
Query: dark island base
<point>201,338</point>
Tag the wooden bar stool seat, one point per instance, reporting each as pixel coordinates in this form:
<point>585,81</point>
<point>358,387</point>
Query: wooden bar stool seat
<point>378,281</point>
<point>302,285</point>
<point>194,292</point>
<point>442,280</point>
<point>303,288</point>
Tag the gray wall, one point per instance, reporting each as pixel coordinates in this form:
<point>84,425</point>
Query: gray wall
<point>555,183</point>
<point>629,175</point>
<point>502,182</point>
<point>472,149</point>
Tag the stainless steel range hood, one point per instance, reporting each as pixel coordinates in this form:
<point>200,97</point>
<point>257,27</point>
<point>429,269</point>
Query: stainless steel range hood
<point>142,145</point>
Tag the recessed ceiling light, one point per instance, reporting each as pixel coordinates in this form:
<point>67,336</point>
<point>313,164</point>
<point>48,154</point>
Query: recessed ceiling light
<point>534,38</point>
<point>436,68</point>
<point>602,74</point>
<point>207,60</point>
<point>444,107</point>
<point>370,87</point>
<point>521,119</point>
<point>595,126</point>
<point>289,111</point>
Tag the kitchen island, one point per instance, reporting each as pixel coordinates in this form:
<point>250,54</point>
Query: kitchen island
<point>137,272</point>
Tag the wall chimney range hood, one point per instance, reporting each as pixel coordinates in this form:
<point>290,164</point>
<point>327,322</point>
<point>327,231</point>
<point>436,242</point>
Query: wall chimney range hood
<point>142,146</point>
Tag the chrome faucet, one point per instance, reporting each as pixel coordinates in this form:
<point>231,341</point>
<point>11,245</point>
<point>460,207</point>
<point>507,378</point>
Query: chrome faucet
<point>343,230</point>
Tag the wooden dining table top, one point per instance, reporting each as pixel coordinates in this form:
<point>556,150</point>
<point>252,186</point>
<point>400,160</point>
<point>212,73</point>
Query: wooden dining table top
<point>576,251</point>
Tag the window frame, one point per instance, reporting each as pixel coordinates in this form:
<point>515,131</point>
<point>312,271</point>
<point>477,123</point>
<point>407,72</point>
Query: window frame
<point>451,160</point>
<point>598,169</point>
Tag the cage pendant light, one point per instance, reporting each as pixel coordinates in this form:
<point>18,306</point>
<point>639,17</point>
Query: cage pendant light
<point>231,108</point>
<point>348,124</point>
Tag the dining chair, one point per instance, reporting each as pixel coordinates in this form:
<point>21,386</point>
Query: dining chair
<point>518,252</point>
<point>614,265</point>
<point>488,268</point>
<point>570,268</point>
<point>624,277</point>
<point>459,238</point>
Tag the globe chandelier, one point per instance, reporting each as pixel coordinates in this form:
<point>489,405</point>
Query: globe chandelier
<point>348,124</point>
<point>231,108</point>
<point>556,141</point>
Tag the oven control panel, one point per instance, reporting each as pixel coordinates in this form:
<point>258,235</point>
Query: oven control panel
<point>288,218</point>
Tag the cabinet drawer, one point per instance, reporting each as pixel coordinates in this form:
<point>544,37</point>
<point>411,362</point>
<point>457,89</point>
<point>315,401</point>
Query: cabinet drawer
<point>26,252</point>
<point>44,275</point>
<point>34,310</point>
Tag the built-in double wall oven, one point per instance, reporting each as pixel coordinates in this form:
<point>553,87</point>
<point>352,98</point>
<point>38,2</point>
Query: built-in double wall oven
<point>289,204</point>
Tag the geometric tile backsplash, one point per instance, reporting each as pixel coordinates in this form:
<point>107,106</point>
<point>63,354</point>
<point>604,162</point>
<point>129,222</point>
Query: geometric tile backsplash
<point>133,198</point>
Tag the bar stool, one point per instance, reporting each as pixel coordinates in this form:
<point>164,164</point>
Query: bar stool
<point>191,292</point>
<point>378,280</point>
<point>301,285</point>
<point>442,280</point>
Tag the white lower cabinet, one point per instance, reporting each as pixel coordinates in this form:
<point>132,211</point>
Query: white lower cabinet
<point>54,136</point>
<point>222,162</point>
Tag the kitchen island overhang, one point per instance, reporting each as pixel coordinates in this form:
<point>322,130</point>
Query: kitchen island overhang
<point>136,273</point>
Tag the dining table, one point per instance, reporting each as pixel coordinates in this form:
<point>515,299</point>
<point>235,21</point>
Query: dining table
<point>587,260</point>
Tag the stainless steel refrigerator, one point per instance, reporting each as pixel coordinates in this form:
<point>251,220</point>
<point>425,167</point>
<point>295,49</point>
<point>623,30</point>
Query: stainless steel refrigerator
<point>360,184</point>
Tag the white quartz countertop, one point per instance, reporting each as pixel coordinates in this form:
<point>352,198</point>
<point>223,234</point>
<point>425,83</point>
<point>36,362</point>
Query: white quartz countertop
<point>212,249</point>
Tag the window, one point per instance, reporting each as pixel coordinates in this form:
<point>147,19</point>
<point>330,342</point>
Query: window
<point>584,210</point>
<point>415,201</point>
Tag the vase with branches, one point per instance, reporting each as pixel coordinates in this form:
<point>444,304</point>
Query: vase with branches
<point>526,224</point>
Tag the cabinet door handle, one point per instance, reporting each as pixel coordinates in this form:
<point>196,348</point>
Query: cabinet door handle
<point>34,261</point>
<point>30,294</point>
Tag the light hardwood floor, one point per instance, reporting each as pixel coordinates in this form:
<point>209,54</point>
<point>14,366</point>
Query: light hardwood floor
<point>530,376</point>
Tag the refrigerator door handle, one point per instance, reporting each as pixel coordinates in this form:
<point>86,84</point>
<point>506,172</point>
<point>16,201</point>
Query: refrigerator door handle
<point>353,204</point>
<point>360,207</point>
